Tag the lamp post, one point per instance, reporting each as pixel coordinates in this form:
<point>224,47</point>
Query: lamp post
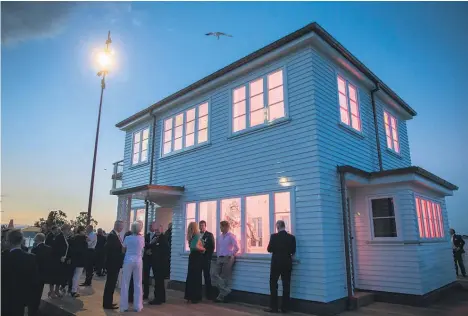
<point>104,60</point>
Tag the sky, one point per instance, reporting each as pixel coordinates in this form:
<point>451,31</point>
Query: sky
<point>50,90</point>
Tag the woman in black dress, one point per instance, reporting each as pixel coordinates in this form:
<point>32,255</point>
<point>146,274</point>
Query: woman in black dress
<point>59,265</point>
<point>193,284</point>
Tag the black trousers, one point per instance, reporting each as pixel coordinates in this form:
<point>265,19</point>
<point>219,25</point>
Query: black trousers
<point>70,273</point>
<point>33,309</point>
<point>282,269</point>
<point>146,276</point>
<point>458,260</point>
<point>109,288</point>
<point>206,268</point>
<point>100,260</point>
<point>90,260</point>
<point>159,286</point>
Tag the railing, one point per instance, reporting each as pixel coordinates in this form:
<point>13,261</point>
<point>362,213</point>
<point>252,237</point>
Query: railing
<point>117,175</point>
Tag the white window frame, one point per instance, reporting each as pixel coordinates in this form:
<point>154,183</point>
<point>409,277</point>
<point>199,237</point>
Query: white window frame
<point>246,84</point>
<point>140,145</point>
<point>242,244</point>
<point>399,231</point>
<point>184,126</point>
<point>423,224</point>
<point>392,136</point>
<point>358,100</point>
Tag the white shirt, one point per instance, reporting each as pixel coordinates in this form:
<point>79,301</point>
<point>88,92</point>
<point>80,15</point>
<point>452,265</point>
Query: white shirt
<point>134,245</point>
<point>92,240</point>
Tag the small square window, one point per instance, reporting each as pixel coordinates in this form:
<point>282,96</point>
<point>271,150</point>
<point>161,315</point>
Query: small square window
<point>383,218</point>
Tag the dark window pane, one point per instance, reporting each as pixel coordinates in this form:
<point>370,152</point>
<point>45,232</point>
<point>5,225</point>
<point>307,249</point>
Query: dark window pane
<point>385,227</point>
<point>382,207</point>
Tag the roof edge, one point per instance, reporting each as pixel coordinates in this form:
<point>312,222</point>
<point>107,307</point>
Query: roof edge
<point>312,27</point>
<point>412,169</point>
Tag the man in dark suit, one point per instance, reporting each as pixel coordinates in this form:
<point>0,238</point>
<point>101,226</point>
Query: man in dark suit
<point>43,254</point>
<point>457,245</point>
<point>208,242</point>
<point>100,255</point>
<point>147,260</point>
<point>114,255</point>
<point>282,246</point>
<point>159,251</point>
<point>20,277</point>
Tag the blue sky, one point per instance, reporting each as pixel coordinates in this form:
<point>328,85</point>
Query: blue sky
<point>50,90</point>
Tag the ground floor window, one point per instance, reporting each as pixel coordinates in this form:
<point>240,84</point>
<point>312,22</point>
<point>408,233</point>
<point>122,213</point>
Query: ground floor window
<point>252,218</point>
<point>383,218</point>
<point>430,220</point>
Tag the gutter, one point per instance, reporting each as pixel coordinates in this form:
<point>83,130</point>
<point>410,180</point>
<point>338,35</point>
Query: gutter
<point>349,281</point>
<point>376,125</point>
<point>153,138</point>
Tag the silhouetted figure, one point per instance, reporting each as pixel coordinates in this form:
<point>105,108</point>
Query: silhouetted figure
<point>114,255</point>
<point>20,277</point>
<point>43,255</point>
<point>282,246</point>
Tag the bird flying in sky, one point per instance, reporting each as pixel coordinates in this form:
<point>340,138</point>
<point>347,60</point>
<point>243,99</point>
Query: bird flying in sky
<point>218,34</point>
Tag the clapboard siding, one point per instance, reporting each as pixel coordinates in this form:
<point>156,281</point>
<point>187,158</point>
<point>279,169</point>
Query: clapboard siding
<point>340,145</point>
<point>391,160</point>
<point>253,163</point>
<point>436,259</point>
<point>384,266</point>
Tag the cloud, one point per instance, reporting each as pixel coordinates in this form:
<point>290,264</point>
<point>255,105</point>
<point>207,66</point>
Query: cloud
<point>22,21</point>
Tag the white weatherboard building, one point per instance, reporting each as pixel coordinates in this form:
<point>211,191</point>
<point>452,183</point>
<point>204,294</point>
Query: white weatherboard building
<point>299,130</point>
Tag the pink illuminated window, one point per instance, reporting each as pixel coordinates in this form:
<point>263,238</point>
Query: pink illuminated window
<point>257,226</point>
<point>202,123</point>
<point>349,104</point>
<point>231,212</point>
<point>420,218</point>
<point>140,146</point>
<point>186,129</point>
<point>190,209</point>
<point>167,147</point>
<point>190,128</point>
<point>430,220</point>
<point>391,131</point>
<point>259,102</point>
<point>283,209</point>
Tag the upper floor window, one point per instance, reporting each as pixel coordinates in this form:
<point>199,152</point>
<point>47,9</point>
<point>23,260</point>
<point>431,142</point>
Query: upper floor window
<point>349,105</point>
<point>186,129</point>
<point>391,131</point>
<point>259,102</point>
<point>430,220</point>
<point>140,146</point>
<point>383,218</point>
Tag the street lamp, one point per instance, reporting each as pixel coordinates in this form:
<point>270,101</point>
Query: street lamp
<point>104,60</point>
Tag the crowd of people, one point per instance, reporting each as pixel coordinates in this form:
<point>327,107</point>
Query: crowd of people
<point>61,255</point>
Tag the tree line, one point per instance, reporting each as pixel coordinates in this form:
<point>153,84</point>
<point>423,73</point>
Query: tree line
<point>58,218</point>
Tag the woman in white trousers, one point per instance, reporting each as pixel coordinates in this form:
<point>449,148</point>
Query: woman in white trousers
<point>133,247</point>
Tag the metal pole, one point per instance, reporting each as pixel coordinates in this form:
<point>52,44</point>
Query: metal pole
<point>93,171</point>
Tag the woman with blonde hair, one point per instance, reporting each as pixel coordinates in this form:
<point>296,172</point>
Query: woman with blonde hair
<point>193,284</point>
<point>133,247</point>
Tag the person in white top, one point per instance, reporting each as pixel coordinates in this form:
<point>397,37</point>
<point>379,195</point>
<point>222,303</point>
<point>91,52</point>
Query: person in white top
<point>133,247</point>
<point>90,255</point>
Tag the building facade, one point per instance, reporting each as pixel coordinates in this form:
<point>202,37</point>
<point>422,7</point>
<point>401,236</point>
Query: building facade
<point>299,130</point>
